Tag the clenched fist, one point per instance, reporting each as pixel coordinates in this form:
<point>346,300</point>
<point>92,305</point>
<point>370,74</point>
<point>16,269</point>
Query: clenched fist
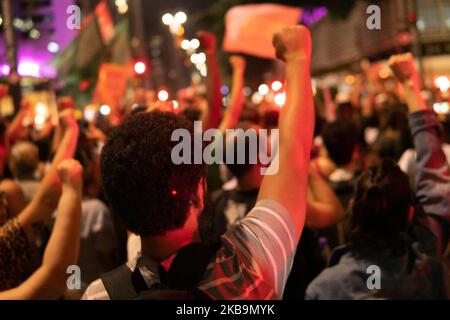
<point>207,41</point>
<point>292,43</point>
<point>65,103</point>
<point>71,173</point>
<point>402,66</point>
<point>67,119</point>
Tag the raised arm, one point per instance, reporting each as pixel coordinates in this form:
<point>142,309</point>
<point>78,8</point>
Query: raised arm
<point>288,185</point>
<point>324,208</point>
<point>16,125</point>
<point>234,109</point>
<point>62,250</point>
<point>211,118</point>
<point>44,203</point>
<point>432,170</point>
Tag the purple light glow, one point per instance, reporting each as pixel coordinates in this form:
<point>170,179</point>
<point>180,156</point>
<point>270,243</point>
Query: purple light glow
<point>311,16</point>
<point>33,55</point>
<point>4,70</point>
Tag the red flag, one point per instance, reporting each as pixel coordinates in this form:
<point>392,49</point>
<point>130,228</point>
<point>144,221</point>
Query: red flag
<point>250,28</point>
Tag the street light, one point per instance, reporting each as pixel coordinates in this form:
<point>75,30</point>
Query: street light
<point>180,17</point>
<point>140,67</point>
<point>195,43</point>
<point>168,19</point>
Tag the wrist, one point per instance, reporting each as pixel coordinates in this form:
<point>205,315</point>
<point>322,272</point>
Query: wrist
<point>295,58</point>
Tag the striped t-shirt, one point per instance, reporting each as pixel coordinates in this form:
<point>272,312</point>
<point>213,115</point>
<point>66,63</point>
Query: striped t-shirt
<point>254,261</point>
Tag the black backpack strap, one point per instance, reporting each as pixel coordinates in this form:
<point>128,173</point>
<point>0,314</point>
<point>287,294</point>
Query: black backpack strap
<point>189,266</point>
<point>122,283</point>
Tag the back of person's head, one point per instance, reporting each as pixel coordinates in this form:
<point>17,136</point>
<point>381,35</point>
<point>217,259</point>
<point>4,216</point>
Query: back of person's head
<point>24,159</point>
<point>340,139</point>
<point>232,146</point>
<point>381,203</point>
<point>149,193</point>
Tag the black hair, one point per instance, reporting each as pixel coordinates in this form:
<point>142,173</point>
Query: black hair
<point>149,193</point>
<point>340,139</point>
<point>381,203</point>
<point>231,144</point>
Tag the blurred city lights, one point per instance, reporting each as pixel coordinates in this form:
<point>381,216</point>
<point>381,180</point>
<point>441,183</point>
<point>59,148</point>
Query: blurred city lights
<point>29,69</point>
<point>163,95</point>
<point>122,9</point>
<point>168,19</point>
<point>201,57</point>
<point>180,17</point>
<point>35,34</point>
<point>122,6</point>
<point>175,104</point>
<point>5,69</point>
<point>185,44</point>
<point>53,47</point>
<point>441,107</point>
<point>224,90</point>
<point>263,89</point>
<point>41,108</point>
<point>257,98</point>
<point>140,67</point>
<point>276,85</point>
<point>280,99</point>
<point>443,83</point>
<point>195,43</point>
<point>247,91</point>
<point>105,110</point>
<point>89,113</point>
<point>39,119</point>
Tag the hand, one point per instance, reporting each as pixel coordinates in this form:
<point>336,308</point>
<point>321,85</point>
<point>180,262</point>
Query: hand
<point>67,119</point>
<point>292,43</point>
<point>238,62</point>
<point>65,103</point>
<point>71,173</point>
<point>207,41</point>
<point>402,66</point>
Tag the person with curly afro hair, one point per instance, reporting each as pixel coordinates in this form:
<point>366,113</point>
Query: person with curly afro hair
<point>149,193</point>
<point>162,201</point>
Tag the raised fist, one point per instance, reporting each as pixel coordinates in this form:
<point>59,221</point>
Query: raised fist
<point>65,103</point>
<point>207,41</point>
<point>292,43</point>
<point>237,62</point>
<point>67,119</point>
<point>71,173</point>
<point>402,66</point>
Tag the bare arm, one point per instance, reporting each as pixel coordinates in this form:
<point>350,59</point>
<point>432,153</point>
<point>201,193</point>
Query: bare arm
<point>288,185</point>
<point>62,250</point>
<point>16,125</point>
<point>40,209</point>
<point>324,208</point>
<point>234,109</point>
<point>212,116</point>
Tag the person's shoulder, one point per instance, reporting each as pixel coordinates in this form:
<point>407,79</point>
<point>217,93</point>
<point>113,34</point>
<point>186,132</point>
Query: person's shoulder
<point>96,291</point>
<point>331,281</point>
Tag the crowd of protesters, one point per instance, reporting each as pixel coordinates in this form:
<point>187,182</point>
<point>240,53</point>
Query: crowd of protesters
<point>360,182</point>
